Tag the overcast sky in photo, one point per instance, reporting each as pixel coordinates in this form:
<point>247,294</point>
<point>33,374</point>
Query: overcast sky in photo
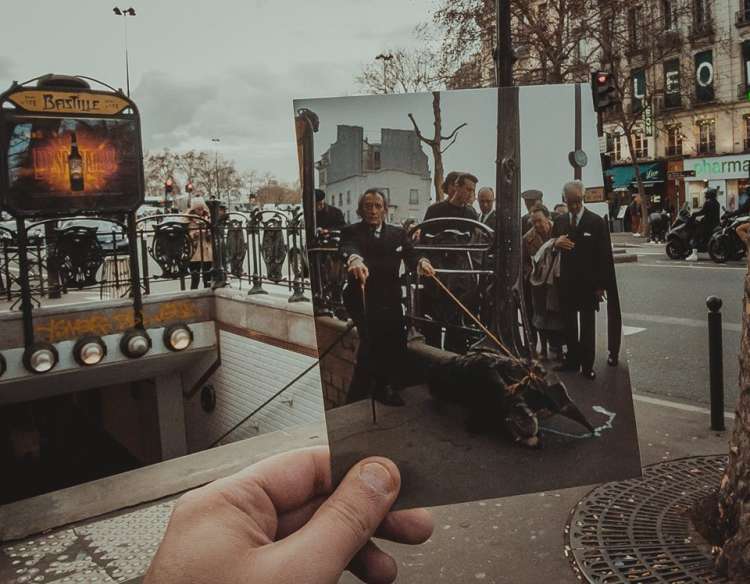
<point>547,122</point>
<point>200,70</point>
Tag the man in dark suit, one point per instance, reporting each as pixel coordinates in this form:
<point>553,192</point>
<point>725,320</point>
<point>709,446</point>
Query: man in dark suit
<point>373,251</point>
<point>327,216</point>
<point>582,240</point>
<point>486,198</point>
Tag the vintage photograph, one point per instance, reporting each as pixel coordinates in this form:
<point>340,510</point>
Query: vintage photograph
<point>468,319</point>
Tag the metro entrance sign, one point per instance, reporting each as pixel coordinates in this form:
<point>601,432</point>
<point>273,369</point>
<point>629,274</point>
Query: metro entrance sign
<point>680,174</point>
<point>66,149</point>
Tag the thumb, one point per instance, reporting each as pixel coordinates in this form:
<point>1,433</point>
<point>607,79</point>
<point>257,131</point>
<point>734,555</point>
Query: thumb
<point>350,516</point>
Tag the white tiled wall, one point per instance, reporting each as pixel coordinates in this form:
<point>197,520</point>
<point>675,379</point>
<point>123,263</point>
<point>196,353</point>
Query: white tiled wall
<point>250,373</point>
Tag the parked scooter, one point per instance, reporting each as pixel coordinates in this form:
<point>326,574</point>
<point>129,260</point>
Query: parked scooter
<point>681,234</point>
<point>724,244</point>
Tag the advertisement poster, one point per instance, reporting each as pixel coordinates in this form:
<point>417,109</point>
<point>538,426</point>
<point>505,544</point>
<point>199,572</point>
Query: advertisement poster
<point>64,164</point>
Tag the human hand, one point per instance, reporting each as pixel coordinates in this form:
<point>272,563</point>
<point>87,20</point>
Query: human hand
<point>424,268</point>
<point>416,234</point>
<point>359,270</point>
<point>277,522</point>
<point>563,242</point>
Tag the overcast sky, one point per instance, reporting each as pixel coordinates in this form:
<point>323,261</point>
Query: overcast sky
<point>224,68</point>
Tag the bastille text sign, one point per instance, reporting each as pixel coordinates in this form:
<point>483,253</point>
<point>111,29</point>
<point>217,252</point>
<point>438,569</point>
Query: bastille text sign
<point>62,102</point>
<point>69,152</point>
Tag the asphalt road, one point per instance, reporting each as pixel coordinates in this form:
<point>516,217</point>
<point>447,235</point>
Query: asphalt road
<point>666,334</point>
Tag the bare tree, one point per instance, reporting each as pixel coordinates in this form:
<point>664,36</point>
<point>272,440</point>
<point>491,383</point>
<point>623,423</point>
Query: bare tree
<point>158,167</point>
<point>549,39</point>
<point>408,71</point>
<point>436,143</point>
<point>723,517</point>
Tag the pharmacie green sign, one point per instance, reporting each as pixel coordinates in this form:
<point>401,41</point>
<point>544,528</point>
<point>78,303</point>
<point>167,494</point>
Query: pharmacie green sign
<point>719,167</point>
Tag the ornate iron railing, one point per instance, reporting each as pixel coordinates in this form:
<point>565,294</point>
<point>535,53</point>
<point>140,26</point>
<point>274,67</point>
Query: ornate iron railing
<point>175,251</point>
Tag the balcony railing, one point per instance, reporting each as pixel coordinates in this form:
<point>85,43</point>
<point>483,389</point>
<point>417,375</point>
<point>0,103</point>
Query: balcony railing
<point>742,91</point>
<point>742,18</point>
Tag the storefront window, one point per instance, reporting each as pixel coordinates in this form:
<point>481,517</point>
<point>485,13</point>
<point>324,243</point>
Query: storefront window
<point>707,140</point>
<point>747,132</point>
<point>674,141</point>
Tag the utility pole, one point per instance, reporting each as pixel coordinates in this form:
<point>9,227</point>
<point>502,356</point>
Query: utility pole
<point>507,203</point>
<point>125,12</point>
<point>385,58</point>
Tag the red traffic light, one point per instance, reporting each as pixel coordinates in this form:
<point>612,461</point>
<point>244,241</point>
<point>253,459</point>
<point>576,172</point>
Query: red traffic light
<point>602,78</point>
<point>189,187</point>
<point>168,182</point>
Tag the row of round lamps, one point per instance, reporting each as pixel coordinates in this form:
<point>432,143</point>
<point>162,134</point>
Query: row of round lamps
<point>91,350</point>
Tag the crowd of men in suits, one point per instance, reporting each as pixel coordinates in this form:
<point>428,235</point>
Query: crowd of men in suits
<point>566,254</point>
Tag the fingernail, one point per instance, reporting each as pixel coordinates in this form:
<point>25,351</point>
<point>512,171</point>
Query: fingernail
<point>377,477</point>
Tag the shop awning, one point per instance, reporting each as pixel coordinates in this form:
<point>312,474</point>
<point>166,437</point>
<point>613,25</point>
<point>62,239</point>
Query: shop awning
<point>652,173</point>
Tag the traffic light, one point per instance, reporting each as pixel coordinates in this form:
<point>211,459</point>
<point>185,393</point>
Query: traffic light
<point>603,89</point>
<point>609,183</point>
<point>189,187</point>
<point>168,186</point>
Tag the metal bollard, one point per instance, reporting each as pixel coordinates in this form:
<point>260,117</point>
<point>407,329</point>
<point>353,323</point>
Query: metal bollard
<point>716,362</point>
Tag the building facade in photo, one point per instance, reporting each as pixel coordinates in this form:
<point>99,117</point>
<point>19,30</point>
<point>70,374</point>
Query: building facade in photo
<point>397,166</point>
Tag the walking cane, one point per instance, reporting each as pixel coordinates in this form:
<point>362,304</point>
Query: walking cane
<point>367,340</point>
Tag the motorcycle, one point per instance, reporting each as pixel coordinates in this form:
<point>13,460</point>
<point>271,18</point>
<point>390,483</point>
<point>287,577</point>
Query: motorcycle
<point>681,235</point>
<point>724,244</point>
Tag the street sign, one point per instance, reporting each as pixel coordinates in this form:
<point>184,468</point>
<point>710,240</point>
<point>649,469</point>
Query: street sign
<point>680,174</point>
<point>67,149</point>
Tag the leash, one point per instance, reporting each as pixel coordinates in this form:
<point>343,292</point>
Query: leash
<point>530,376</point>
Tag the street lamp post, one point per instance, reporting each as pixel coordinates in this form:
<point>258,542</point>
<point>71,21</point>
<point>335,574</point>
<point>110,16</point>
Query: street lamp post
<point>385,58</point>
<point>216,165</point>
<point>125,12</point>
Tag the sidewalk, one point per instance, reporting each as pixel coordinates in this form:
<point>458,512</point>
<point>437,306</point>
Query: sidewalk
<point>516,540</point>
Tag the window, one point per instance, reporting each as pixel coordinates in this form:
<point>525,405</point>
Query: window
<point>640,144</point>
<point>609,142</point>
<point>701,12</point>
<point>747,132</point>
<point>669,14</point>
<point>413,197</point>
<point>348,197</point>
<point>707,137</point>
<point>341,199</point>
<point>376,160</point>
<point>333,200</point>
<point>617,150</point>
<point>674,141</point>
<point>348,216</point>
<point>634,26</point>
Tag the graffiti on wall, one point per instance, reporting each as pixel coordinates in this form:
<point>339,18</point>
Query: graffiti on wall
<point>65,327</point>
